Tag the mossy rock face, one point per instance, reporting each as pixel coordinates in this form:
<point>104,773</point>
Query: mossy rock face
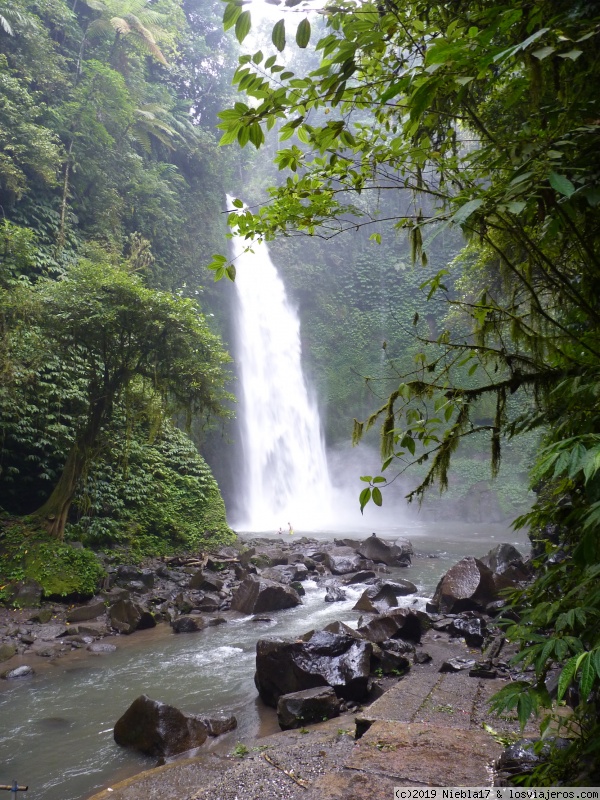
<point>63,570</point>
<point>28,558</point>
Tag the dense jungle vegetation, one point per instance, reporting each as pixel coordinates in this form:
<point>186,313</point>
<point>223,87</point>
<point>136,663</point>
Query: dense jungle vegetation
<point>111,188</point>
<point>480,117</point>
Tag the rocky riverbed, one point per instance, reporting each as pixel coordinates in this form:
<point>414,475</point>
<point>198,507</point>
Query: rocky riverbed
<point>342,669</point>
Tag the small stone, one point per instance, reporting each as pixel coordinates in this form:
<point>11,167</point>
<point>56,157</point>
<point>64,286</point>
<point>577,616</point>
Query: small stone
<point>457,664</point>
<point>18,672</point>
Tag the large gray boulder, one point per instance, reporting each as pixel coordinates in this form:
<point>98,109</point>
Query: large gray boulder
<point>286,573</point>
<point>311,705</point>
<point>127,617</point>
<point>505,560</point>
<point>158,729</point>
<point>25,594</point>
<point>284,666</point>
<point>343,560</point>
<point>399,623</point>
<point>467,586</point>
<point>383,552</point>
<point>189,623</point>
<point>383,595</point>
<point>257,595</point>
<point>85,613</point>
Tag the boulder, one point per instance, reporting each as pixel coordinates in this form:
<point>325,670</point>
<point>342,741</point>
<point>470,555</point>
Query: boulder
<point>284,666</point>
<point>23,671</point>
<point>205,581</point>
<point>341,627</point>
<point>382,552</point>
<point>393,656</point>
<point>257,595</point>
<point>85,613</point>
<point>362,576</point>
<point>7,651</point>
<point>400,623</point>
<point>217,726</point>
<point>297,709</point>
<point>127,617</point>
<point>334,594</point>
<point>127,574</point>
<point>467,586</point>
<point>189,624</point>
<point>286,573</point>
<point>383,595</point>
<point>472,628</point>
<point>506,561</point>
<point>25,594</point>
<point>457,664</point>
<point>342,561</point>
<point>158,729</point>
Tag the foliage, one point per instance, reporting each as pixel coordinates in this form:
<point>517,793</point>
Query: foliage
<point>119,332</point>
<point>62,570</point>
<point>150,495</point>
<point>487,115</point>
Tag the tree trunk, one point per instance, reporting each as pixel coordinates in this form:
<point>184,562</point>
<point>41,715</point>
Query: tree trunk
<point>54,512</point>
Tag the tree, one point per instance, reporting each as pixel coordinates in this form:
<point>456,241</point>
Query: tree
<point>487,114</point>
<point>122,334</point>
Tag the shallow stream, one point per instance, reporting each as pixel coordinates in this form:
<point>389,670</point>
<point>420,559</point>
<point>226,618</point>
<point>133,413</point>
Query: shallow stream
<point>57,727</point>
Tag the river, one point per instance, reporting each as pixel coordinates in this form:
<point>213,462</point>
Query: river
<point>57,726</point>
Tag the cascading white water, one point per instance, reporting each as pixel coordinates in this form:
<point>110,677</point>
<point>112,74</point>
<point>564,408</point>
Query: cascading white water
<point>286,474</point>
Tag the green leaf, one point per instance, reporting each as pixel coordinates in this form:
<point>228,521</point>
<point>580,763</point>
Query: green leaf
<point>543,52</point>
<point>230,15</point>
<point>561,184</point>
<point>566,677</point>
<point>377,496</point>
<point>242,26</point>
<point>278,35</point>
<point>303,33</point>
<point>364,498</point>
<point>465,211</point>
<point>366,478</point>
<point>586,679</point>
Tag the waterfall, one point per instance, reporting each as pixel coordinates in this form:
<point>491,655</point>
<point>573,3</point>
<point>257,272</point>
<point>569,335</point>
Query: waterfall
<point>285,466</point>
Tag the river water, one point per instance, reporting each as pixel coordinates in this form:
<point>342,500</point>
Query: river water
<point>57,726</point>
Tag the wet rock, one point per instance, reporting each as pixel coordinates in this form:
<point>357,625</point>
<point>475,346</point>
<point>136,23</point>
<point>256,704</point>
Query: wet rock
<point>102,647</point>
<point>421,657</point>
<point>284,666</point>
<point>18,672</point>
<point>383,595</point>
<point>206,582</point>
<point>472,629</point>
<point>378,550</point>
<point>352,543</point>
<point>269,558</point>
<point>217,726</point>
<point>392,656</point>
<point>286,573</point>
<point>468,585</point>
<point>362,576</point>
<point>96,629</point>
<point>334,594</point>
<point>482,671</point>
<point>257,595</point>
<point>25,594</point>
<point>303,708</point>
<point>457,664</point>
<point>43,616</point>
<point>340,627</point>
<point>342,561</point>
<point>84,613</point>
<point>158,729</point>
<point>210,602</point>
<point>214,621</point>
<point>7,651</point>
<point>405,545</point>
<point>127,617</point>
<point>297,586</point>
<point>127,574</point>
<point>501,557</point>
<point>400,623</point>
<point>189,624</point>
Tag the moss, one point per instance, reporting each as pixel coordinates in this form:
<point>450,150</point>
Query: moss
<point>26,553</point>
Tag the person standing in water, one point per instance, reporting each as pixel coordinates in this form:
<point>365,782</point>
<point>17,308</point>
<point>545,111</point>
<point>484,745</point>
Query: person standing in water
<point>290,529</point>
